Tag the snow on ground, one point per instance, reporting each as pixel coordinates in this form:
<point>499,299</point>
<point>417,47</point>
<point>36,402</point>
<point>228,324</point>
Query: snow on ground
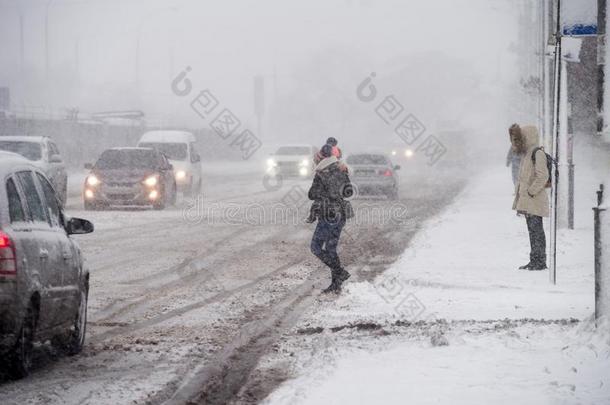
<point>464,263</point>
<point>462,268</point>
<point>524,364</point>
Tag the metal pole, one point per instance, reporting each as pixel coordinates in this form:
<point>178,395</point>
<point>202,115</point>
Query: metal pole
<point>46,38</point>
<point>571,181</point>
<point>21,44</point>
<point>556,112</point>
<point>137,72</point>
<point>597,249</point>
<point>541,74</point>
<point>547,78</point>
<point>601,39</point>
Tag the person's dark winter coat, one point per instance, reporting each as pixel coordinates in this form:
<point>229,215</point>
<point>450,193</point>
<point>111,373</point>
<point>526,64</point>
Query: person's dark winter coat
<point>329,189</point>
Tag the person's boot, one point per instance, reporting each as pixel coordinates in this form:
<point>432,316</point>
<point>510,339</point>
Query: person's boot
<point>525,266</point>
<point>344,275</point>
<point>537,266</point>
<point>339,275</point>
<point>334,286</point>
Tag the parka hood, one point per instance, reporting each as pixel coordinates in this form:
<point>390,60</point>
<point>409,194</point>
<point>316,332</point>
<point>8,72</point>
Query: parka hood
<point>326,162</point>
<point>530,136</point>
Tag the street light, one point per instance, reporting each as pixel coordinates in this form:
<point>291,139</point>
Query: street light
<point>46,37</point>
<point>138,36</point>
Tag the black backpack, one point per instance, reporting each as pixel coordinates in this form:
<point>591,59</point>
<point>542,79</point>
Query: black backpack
<point>550,162</point>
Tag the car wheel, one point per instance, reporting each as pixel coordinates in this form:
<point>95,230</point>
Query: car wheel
<point>198,187</point>
<point>174,195</point>
<point>188,190</point>
<point>21,362</point>
<point>160,205</point>
<point>64,195</point>
<point>91,206</point>
<point>76,341</point>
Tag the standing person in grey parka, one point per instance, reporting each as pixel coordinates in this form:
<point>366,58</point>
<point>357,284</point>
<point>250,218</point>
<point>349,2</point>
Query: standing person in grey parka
<point>513,157</point>
<point>330,187</point>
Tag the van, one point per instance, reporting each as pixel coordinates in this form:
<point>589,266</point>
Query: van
<point>179,148</point>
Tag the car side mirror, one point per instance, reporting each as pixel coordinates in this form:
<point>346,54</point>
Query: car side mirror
<point>88,166</point>
<point>55,159</point>
<point>78,226</point>
<point>170,166</point>
<point>196,158</point>
<point>397,167</point>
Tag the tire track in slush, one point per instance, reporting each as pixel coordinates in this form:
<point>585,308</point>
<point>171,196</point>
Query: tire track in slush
<point>220,380</point>
<point>196,305</point>
<point>187,280</point>
<point>114,309</point>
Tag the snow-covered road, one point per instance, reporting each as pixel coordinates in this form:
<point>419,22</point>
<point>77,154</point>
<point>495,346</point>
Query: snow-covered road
<point>185,301</point>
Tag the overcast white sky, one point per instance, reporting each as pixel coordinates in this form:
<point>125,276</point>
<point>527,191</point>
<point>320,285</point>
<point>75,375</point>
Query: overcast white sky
<point>92,45</point>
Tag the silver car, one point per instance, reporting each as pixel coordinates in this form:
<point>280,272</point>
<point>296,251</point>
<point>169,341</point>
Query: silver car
<point>44,154</point>
<point>43,283</point>
<point>373,173</point>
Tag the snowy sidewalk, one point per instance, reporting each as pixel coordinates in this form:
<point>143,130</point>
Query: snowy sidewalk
<point>462,266</point>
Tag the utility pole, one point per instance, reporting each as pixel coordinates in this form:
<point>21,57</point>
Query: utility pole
<point>46,38</point>
<point>259,102</point>
<point>601,62</point>
<point>21,45</point>
<point>546,77</point>
<point>555,144</point>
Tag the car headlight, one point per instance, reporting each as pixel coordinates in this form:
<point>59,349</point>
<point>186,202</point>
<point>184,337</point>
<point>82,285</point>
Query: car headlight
<point>151,181</point>
<point>92,180</point>
<point>409,153</point>
<point>180,175</point>
<point>271,163</point>
<point>304,162</point>
<point>393,153</point>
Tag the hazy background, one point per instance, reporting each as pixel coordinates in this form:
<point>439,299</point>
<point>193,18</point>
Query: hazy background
<point>444,60</point>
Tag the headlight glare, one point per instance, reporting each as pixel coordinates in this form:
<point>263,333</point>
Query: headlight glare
<point>151,181</point>
<point>180,175</point>
<point>92,180</point>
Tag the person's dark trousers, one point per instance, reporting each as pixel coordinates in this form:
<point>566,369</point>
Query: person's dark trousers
<point>537,240</point>
<point>325,241</point>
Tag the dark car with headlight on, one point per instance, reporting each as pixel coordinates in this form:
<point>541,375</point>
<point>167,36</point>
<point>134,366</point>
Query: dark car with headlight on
<point>130,177</point>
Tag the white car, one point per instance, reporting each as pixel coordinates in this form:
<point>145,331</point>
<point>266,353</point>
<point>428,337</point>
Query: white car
<point>43,153</point>
<point>179,148</point>
<point>292,160</point>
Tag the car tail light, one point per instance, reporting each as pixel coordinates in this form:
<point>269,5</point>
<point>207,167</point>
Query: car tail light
<point>387,173</point>
<point>8,258</point>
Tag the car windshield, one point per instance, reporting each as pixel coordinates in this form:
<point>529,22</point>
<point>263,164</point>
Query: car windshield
<point>29,150</point>
<point>293,150</point>
<point>367,160</point>
<point>132,159</point>
<point>173,151</point>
